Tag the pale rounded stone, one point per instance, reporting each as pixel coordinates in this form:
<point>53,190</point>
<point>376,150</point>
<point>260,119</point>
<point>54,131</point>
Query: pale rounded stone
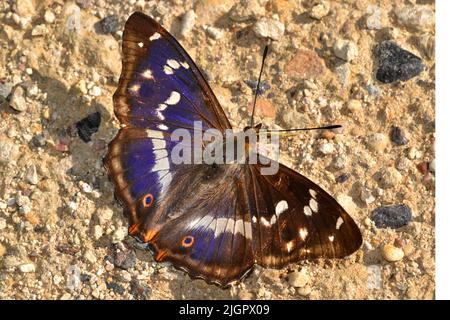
<point>320,10</point>
<point>391,253</point>
<point>269,28</point>
<point>298,279</point>
<point>354,105</point>
<point>345,49</point>
<point>378,142</point>
<point>27,268</point>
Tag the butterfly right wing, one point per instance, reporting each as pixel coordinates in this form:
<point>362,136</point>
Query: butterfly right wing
<point>294,219</point>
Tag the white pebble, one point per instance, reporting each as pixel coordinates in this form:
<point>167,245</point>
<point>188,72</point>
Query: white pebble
<point>95,91</point>
<point>269,28</point>
<point>392,253</point>
<point>49,16</point>
<point>320,10</point>
<point>187,23</point>
<point>27,268</point>
<point>326,148</point>
<point>345,49</point>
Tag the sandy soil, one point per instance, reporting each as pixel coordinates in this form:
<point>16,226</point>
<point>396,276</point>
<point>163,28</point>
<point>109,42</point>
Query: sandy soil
<point>61,232</point>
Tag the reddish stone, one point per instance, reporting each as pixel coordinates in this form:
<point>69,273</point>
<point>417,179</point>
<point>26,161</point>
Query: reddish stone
<point>264,108</point>
<point>306,64</point>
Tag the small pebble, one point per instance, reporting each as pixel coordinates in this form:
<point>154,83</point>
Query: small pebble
<point>373,18</point>
<point>326,148</point>
<point>214,33</point>
<point>377,142</point>
<point>73,280</point>
<point>343,177</point>
<point>17,100</point>
<point>394,216</point>
<point>119,234</point>
<point>97,232</point>
<point>31,175</point>
<point>125,259</point>
<point>395,63</point>
<point>366,196</point>
<point>109,24</point>
<point>418,17</point>
<point>27,268</point>
<point>2,223</point>
<point>345,49</point>
<point>374,279</point>
<point>343,73</point>
<point>298,279</point>
<point>354,105</point>
<point>304,291</point>
<point>187,23</point>
<point>391,253</point>
<point>432,166</point>
<point>95,91</point>
<point>269,28</point>
<point>398,136</point>
<point>373,90</point>
<point>88,126</point>
<point>89,255</point>
<point>389,177</point>
<point>117,288</point>
<point>320,10</point>
<point>72,16</point>
<point>5,90</point>
<point>49,16</point>
<point>306,64</point>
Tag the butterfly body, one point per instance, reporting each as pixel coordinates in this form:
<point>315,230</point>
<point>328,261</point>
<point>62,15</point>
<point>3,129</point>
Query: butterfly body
<point>215,221</point>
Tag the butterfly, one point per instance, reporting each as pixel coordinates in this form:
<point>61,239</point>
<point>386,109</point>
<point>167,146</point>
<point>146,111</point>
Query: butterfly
<point>213,221</point>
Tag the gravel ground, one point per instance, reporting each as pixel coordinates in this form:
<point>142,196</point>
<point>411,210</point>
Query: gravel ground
<point>62,236</point>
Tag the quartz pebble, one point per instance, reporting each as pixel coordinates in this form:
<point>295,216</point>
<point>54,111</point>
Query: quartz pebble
<point>377,142</point>
<point>345,49</point>
<point>298,279</point>
<point>31,175</point>
<point>418,17</point>
<point>17,100</point>
<point>214,33</point>
<point>269,28</point>
<point>49,16</point>
<point>391,253</point>
<point>389,177</point>
<point>373,18</point>
<point>320,10</point>
<point>27,268</point>
<point>187,23</point>
<point>326,148</point>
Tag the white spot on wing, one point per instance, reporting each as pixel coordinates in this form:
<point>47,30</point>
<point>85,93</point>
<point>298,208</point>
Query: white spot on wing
<point>159,144</point>
<point>307,210</point>
<point>163,127</point>
<point>313,204</point>
<point>303,233</point>
<point>184,64</point>
<point>155,134</point>
<point>161,164</point>
<point>173,99</point>
<point>331,238</point>
<point>312,193</point>
<point>168,70</point>
<point>273,220</point>
<point>339,222</point>
<point>173,63</point>
<point>140,44</point>
<point>264,222</point>
<point>290,246</point>
<point>281,207</point>
<point>254,219</point>
<point>135,88</point>
<point>160,115</point>
<point>160,153</point>
<point>161,107</point>
<point>154,36</point>
<point>147,74</point>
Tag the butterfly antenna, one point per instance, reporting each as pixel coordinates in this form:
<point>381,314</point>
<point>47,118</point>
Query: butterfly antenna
<point>266,49</point>
<point>287,132</point>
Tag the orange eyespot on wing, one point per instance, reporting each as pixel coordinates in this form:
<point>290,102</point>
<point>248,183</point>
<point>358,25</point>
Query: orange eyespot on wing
<point>187,241</point>
<point>147,200</point>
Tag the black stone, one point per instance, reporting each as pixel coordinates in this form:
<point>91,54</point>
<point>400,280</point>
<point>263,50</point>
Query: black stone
<point>343,177</point>
<point>263,86</point>
<point>109,24</point>
<point>125,259</point>
<point>394,217</point>
<point>398,137</point>
<point>396,63</point>
<point>117,288</point>
<point>88,126</point>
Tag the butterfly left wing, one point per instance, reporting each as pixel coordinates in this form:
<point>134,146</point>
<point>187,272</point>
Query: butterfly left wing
<point>295,219</point>
<point>160,90</point>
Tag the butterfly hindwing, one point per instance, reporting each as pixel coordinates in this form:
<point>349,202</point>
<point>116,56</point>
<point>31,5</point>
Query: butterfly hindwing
<point>296,219</point>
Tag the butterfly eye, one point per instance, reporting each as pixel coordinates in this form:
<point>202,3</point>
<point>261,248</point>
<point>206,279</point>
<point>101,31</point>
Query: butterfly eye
<point>147,201</point>
<point>187,241</point>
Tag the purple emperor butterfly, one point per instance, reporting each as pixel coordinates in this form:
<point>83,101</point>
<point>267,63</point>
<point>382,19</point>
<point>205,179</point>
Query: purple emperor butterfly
<point>213,221</point>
